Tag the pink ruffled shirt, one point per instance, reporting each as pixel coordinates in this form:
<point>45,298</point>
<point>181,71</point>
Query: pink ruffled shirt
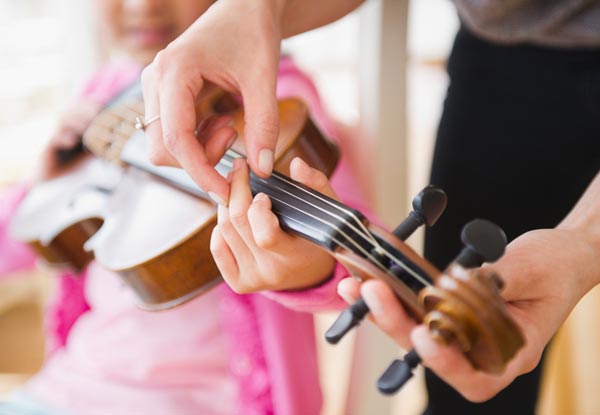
<point>219,353</point>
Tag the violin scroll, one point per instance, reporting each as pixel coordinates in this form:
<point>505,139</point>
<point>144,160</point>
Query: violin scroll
<point>461,305</point>
<point>456,304</point>
<point>464,307</point>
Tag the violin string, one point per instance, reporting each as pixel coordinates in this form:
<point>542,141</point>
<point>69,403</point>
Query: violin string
<point>362,232</point>
<point>365,252</point>
<point>373,259</point>
<point>349,212</point>
<point>368,237</point>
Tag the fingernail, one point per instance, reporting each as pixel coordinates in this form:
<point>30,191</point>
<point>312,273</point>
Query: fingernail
<point>217,199</point>
<point>299,162</point>
<point>341,290</point>
<point>260,197</point>
<point>371,299</point>
<point>265,161</point>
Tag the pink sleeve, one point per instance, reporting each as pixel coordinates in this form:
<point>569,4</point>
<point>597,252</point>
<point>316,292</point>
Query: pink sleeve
<point>293,83</point>
<point>109,80</point>
<point>14,256</point>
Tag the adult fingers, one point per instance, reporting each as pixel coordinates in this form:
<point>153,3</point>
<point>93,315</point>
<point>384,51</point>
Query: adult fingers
<point>178,118</point>
<point>157,153</point>
<point>217,135</point>
<point>176,104</point>
<point>349,289</point>
<point>450,364</point>
<point>261,115</point>
<point>387,312</point>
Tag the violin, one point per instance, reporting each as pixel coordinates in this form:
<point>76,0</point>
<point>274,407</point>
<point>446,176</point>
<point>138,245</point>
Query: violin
<point>158,223</point>
<point>461,305</point>
<point>58,215</point>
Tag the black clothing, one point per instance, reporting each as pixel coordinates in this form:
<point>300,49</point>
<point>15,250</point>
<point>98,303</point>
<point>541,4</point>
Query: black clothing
<point>518,143</point>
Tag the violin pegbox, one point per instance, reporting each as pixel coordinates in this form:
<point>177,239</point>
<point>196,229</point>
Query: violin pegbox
<point>464,307</point>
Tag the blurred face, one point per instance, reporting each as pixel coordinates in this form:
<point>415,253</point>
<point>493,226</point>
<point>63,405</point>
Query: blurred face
<point>141,28</point>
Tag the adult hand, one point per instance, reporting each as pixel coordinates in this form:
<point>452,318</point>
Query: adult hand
<point>546,272</point>
<point>234,44</point>
<point>251,250</point>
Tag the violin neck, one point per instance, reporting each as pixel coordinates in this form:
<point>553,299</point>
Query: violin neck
<point>301,210</point>
<point>306,212</point>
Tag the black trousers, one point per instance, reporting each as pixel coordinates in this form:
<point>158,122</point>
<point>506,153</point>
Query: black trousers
<point>518,142</point>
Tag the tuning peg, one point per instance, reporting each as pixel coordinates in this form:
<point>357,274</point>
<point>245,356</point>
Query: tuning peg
<point>428,206</point>
<point>347,319</point>
<point>484,242</point>
<point>398,373</point>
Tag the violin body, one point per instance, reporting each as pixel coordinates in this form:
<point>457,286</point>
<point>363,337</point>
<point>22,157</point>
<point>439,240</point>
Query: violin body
<point>58,216</point>
<point>173,264</point>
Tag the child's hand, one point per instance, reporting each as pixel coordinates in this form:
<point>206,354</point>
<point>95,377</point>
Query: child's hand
<point>251,250</point>
<point>70,128</point>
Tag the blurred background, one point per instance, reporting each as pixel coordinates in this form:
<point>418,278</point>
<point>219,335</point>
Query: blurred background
<point>384,81</point>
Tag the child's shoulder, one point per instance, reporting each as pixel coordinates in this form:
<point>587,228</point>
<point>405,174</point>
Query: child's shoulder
<point>109,79</point>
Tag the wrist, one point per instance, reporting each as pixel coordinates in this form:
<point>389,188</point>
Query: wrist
<point>584,222</point>
<point>273,8</point>
<point>585,245</point>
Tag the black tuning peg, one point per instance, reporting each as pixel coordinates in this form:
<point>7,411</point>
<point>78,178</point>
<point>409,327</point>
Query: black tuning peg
<point>484,242</point>
<point>348,319</point>
<point>428,205</point>
<point>398,373</point>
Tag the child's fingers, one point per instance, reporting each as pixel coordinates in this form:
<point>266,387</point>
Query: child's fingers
<point>240,200</point>
<point>267,233</point>
<point>313,178</point>
<point>224,258</point>
<point>234,241</point>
